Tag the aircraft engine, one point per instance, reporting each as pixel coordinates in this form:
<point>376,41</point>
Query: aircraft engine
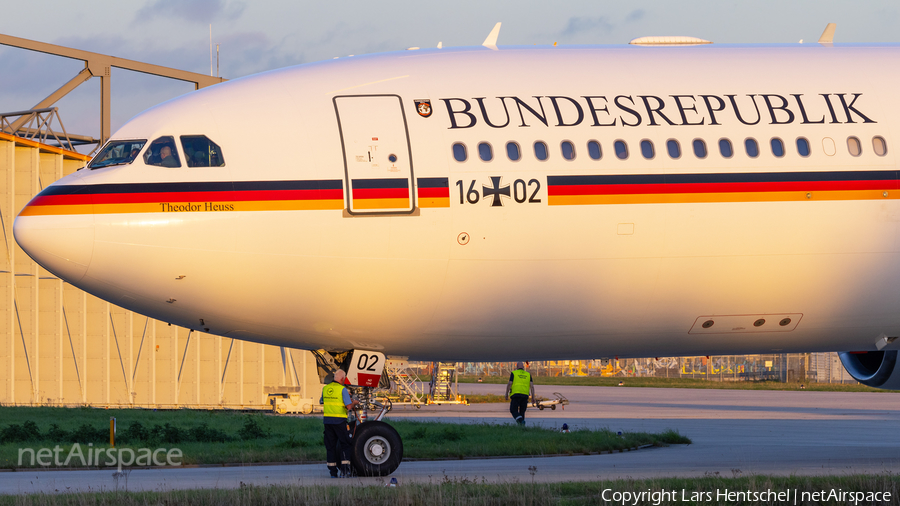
<point>878,369</point>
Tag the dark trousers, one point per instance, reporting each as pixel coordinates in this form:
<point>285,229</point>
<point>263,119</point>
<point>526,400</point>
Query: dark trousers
<point>337,433</point>
<point>518,403</point>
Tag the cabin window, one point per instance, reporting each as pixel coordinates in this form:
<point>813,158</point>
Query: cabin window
<point>594,150</point>
<point>725,148</point>
<point>512,151</point>
<point>117,153</point>
<point>485,152</point>
<point>699,148</point>
<point>647,149</point>
<point>162,153</point>
<point>621,150</point>
<point>199,151</point>
<point>879,145</point>
<point>568,150</point>
<point>459,152</point>
<point>854,146</point>
<point>540,150</point>
<point>803,146</point>
<point>752,147</point>
<point>777,147</point>
<point>673,148</point>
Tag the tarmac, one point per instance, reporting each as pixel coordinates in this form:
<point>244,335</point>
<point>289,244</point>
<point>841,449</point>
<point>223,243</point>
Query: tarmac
<point>734,433</point>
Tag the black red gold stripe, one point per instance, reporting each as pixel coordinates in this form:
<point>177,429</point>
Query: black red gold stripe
<point>724,187</point>
<point>194,197</point>
<point>387,193</point>
<point>433,191</point>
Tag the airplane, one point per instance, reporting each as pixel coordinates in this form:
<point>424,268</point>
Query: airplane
<point>667,197</point>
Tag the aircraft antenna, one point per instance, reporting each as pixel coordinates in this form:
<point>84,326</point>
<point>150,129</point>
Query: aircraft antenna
<point>491,41</point>
<point>828,35</point>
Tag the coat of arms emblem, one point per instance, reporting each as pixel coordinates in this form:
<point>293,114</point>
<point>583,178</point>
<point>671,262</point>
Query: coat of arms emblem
<point>423,107</point>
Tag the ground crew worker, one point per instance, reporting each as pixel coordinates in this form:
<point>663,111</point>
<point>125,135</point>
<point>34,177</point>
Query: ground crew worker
<point>520,383</point>
<point>336,401</point>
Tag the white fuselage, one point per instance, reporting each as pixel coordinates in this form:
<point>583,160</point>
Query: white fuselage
<point>629,260</point>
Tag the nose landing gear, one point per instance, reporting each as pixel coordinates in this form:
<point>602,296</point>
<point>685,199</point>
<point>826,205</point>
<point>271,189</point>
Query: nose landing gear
<point>377,447</point>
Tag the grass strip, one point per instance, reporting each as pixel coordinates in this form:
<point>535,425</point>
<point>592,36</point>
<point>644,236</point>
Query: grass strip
<point>486,398</point>
<point>605,381</point>
<point>222,437</point>
<point>828,490</point>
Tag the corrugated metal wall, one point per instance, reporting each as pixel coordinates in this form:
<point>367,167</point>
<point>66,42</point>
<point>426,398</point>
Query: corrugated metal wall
<point>61,346</point>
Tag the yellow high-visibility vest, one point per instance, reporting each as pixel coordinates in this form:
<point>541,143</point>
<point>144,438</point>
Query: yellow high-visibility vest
<point>521,382</point>
<point>333,399</point>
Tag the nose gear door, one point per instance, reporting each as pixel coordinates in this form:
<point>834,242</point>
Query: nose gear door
<point>377,156</point>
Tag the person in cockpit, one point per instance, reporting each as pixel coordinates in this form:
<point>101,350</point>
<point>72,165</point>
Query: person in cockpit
<point>167,158</point>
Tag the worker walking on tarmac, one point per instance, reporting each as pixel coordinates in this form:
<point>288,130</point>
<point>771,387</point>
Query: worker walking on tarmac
<point>520,384</point>
<point>337,402</point>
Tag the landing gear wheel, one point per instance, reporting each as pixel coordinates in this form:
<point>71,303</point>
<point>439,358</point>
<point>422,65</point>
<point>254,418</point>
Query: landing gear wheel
<point>553,407</point>
<point>377,449</point>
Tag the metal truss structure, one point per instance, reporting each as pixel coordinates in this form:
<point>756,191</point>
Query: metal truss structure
<point>95,65</point>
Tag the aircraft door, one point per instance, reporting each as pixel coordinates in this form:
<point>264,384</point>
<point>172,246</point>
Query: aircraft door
<point>377,156</point>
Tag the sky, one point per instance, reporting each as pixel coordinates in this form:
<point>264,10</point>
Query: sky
<point>269,34</point>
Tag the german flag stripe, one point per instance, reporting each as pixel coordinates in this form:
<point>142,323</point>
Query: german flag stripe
<point>434,201</point>
<point>170,207</point>
<point>388,193</point>
<point>206,186</point>
<point>433,182</point>
<point>396,183</point>
<point>381,203</point>
<point>199,196</point>
<point>689,198</point>
<point>433,191</point>
<point>132,198</point>
<point>743,187</point>
<point>380,193</point>
<point>726,177</point>
<point>722,187</point>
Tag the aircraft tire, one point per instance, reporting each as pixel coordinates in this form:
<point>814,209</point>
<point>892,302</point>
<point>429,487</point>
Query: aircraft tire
<point>377,449</point>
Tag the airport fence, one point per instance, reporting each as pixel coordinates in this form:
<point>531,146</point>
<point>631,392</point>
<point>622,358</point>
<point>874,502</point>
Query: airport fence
<point>784,367</point>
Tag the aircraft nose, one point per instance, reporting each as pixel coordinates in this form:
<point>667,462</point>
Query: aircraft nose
<point>61,243</point>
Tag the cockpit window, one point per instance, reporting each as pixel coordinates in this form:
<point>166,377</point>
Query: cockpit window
<point>117,153</point>
<point>201,152</point>
<point>162,153</point>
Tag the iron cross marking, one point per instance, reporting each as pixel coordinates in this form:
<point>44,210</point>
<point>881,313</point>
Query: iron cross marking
<point>496,191</point>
